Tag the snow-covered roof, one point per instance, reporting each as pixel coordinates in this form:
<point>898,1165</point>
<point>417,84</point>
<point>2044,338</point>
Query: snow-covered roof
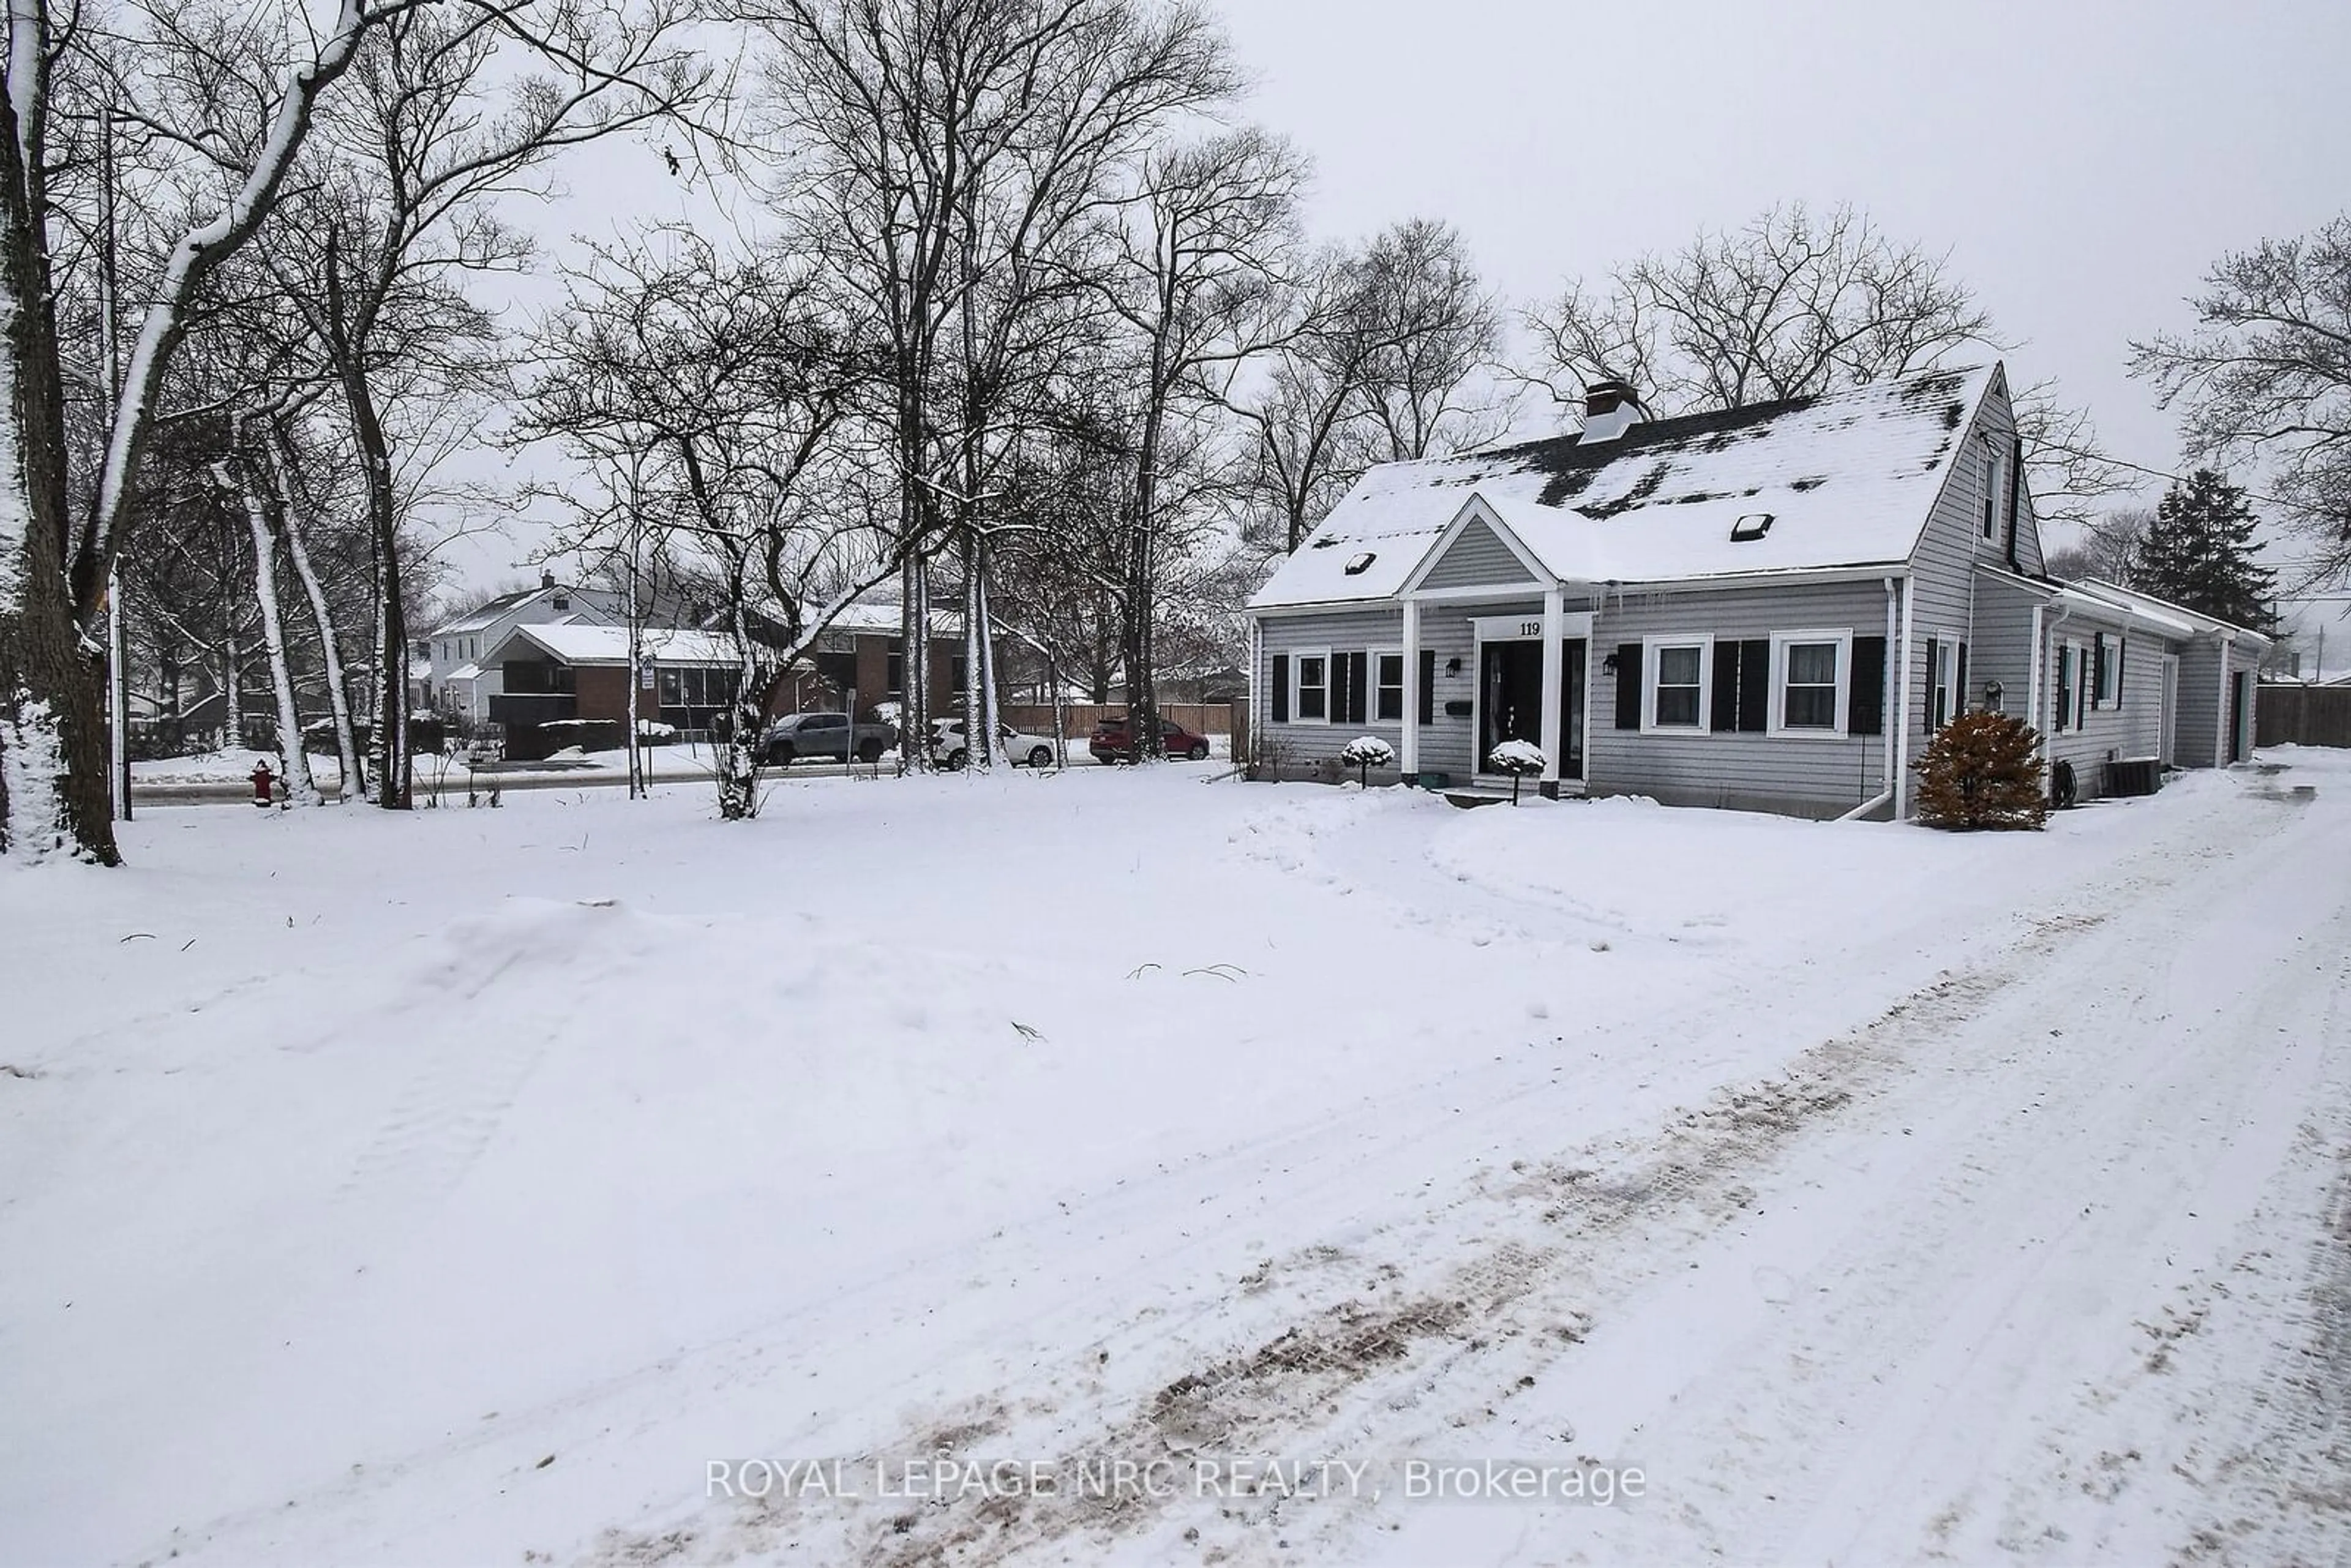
<point>2146,606</point>
<point>2095,596</point>
<point>465,673</point>
<point>1848,478</point>
<point>576,643</point>
<point>872,614</point>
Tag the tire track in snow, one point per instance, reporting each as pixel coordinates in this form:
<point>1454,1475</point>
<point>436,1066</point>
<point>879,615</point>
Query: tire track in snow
<point>1546,1254</point>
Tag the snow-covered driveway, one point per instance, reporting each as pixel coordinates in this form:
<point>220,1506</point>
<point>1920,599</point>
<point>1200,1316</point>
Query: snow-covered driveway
<point>463,1188</point>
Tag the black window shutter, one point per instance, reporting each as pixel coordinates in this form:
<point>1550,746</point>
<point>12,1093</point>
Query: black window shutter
<point>1934,673</point>
<point>1358,684</point>
<point>1428,685</point>
<point>2064,686</point>
<point>2097,669</point>
<point>2121,645</point>
<point>1281,688</point>
<point>1725,716</point>
<point>1628,686</point>
<point>1864,711</point>
<point>1755,685</point>
<point>1960,684</point>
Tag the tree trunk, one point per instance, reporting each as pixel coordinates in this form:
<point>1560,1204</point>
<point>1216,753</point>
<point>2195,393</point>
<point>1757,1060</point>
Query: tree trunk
<point>289,524</point>
<point>979,734</point>
<point>293,762</point>
<point>389,744</point>
<point>991,715</point>
<point>739,758</point>
<point>54,789</point>
<point>232,693</point>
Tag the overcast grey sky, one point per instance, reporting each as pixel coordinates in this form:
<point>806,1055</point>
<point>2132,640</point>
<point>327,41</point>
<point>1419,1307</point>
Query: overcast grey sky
<point>2084,160</point>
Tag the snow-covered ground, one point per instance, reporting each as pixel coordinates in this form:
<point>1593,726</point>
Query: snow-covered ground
<point>505,1186</point>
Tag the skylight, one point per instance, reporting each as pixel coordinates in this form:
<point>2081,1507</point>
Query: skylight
<point>1361,564</point>
<point>1753,525</point>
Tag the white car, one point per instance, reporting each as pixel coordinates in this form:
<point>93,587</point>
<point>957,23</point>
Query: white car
<point>948,746</point>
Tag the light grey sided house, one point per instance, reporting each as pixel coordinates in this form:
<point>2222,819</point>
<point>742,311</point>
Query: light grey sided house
<point>1768,608</point>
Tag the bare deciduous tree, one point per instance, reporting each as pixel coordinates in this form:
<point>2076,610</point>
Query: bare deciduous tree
<point>719,387</point>
<point>2267,375</point>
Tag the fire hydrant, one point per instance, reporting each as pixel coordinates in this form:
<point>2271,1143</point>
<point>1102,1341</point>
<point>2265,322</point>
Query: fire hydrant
<point>261,782</point>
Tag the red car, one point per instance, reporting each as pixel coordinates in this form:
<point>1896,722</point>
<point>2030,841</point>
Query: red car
<point>1110,742</point>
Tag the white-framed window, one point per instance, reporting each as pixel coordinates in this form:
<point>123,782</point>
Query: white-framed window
<point>2073,676</point>
<point>1679,684</point>
<point>1812,673</point>
<point>1388,686</point>
<point>1310,686</point>
<point>1942,683</point>
<point>2110,674</point>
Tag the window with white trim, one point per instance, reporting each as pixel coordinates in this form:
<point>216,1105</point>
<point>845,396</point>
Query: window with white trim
<point>1941,681</point>
<point>1810,672</point>
<point>2110,674</point>
<point>1387,686</point>
<point>2073,684</point>
<point>1310,696</point>
<point>1680,671</point>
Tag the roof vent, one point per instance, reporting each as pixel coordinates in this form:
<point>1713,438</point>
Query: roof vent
<point>1611,407</point>
<point>1753,525</point>
<point>1361,564</point>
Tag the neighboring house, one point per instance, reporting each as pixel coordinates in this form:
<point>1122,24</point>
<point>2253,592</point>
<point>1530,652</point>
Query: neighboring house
<point>1770,608</point>
<point>863,651</point>
<point>463,652</point>
<point>557,672</point>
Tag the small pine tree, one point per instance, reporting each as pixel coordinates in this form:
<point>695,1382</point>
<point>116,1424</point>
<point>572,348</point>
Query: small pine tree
<point>1982,771</point>
<point>2199,552</point>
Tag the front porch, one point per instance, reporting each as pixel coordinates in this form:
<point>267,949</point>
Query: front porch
<point>1503,669</point>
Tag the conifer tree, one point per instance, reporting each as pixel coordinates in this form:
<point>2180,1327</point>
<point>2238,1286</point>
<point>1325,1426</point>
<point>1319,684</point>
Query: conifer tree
<point>2200,553</point>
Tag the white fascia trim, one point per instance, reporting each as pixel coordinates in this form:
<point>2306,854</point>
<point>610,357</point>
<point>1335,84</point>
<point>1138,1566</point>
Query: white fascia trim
<point>1650,647</point>
<point>1796,574</point>
<point>1309,607</point>
<point>1843,637</point>
<point>1476,595</point>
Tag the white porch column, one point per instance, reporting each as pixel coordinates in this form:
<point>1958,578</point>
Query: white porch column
<point>1553,658</point>
<point>1410,759</point>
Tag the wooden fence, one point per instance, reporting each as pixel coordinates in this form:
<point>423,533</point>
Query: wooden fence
<point>1200,718</point>
<point>2303,715</point>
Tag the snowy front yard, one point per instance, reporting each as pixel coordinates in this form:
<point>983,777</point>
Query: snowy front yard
<point>493,1187</point>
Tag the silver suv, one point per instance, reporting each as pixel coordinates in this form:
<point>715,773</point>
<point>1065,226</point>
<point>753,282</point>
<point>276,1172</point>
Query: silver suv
<point>814,737</point>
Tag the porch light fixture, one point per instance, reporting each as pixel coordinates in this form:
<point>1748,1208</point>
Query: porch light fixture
<point>1453,666</point>
<point>1608,663</point>
<point>1993,693</point>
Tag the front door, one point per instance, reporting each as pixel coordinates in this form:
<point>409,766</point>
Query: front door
<point>1510,695</point>
<point>1571,682</point>
<point>2237,691</point>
